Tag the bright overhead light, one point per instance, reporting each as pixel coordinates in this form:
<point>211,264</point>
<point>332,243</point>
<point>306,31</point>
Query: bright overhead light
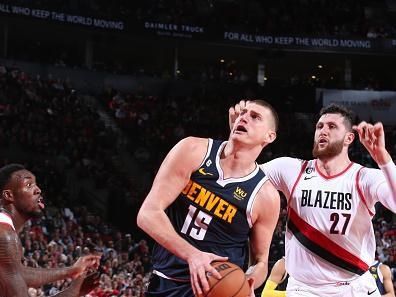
<point>313,77</point>
<point>221,60</point>
<point>320,66</point>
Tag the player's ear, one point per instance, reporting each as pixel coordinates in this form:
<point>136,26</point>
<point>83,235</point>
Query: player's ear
<point>270,137</point>
<point>7,196</point>
<point>349,138</point>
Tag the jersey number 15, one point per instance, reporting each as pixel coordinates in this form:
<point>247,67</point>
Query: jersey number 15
<point>196,223</point>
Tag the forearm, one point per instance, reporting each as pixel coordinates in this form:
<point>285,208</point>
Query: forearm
<point>258,272</point>
<point>389,171</point>
<point>156,224</point>
<point>383,157</point>
<point>73,290</point>
<point>36,277</point>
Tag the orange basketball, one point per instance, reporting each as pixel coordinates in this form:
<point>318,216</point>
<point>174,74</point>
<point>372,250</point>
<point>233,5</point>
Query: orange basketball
<point>232,284</point>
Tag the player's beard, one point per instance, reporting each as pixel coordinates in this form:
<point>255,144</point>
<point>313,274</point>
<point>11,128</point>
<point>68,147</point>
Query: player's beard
<point>331,150</point>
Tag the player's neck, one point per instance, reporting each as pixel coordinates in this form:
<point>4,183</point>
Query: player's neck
<point>333,166</point>
<point>238,161</point>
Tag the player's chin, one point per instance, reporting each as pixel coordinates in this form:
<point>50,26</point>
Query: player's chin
<point>37,213</point>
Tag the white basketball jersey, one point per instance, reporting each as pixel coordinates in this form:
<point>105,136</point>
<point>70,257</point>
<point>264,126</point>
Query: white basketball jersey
<point>330,237</point>
<point>331,222</point>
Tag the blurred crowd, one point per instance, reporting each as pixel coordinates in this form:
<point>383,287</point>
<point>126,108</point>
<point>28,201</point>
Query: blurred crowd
<point>59,130</point>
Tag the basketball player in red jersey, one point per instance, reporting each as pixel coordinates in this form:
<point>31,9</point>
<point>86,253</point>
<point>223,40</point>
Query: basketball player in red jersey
<point>21,200</point>
<point>330,240</point>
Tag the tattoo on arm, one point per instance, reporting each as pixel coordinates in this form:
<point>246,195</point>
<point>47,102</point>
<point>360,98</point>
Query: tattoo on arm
<point>11,279</point>
<point>36,277</point>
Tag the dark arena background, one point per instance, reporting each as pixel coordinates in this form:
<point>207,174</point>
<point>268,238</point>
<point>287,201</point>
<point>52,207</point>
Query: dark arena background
<point>93,94</point>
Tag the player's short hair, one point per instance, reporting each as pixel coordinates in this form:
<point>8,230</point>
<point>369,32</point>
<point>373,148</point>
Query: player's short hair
<point>6,173</point>
<point>346,113</point>
<point>271,109</point>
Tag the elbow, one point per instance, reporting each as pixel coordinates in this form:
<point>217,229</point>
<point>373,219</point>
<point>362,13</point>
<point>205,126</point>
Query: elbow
<point>141,220</point>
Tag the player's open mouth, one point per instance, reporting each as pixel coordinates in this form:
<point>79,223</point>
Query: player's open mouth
<point>240,128</point>
<point>323,140</point>
<point>40,202</point>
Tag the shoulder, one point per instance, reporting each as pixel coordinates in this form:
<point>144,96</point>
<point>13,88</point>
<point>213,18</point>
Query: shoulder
<point>267,196</point>
<point>186,155</point>
<point>385,270</point>
<point>193,144</point>
<point>283,161</point>
<point>9,241</point>
<point>268,190</point>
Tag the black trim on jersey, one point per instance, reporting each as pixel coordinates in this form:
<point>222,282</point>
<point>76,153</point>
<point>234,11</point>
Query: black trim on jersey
<point>321,252</point>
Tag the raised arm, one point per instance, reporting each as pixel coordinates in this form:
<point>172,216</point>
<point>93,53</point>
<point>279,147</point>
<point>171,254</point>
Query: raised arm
<point>373,139</point>
<point>11,280</point>
<point>173,175</point>
<point>265,216</point>
<point>36,277</point>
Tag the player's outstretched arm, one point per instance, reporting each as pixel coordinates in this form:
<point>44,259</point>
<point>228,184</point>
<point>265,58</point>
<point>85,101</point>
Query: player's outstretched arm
<point>265,216</point>
<point>172,177</point>
<point>11,280</point>
<point>36,277</point>
<point>373,139</point>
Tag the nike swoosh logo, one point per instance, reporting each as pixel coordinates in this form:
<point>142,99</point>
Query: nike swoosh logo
<point>202,171</point>
<point>369,293</point>
<point>309,177</point>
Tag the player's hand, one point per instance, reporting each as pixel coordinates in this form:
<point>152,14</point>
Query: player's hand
<point>91,281</point>
<point>235,111</point>
<point>85,263</point>
<point>199,264</point>
<point>373,139</point>
<point>75,286</point>
<point>251,285</point>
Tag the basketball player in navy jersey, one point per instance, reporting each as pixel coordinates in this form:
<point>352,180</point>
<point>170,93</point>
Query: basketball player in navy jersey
<point>330,242</point>
<point>21,200</point>
<point>383,278</point>
<point>208,199</point>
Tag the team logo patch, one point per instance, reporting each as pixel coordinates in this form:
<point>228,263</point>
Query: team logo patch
<point>373,269</point>
<point>309,170</point>
<point>239,194</point>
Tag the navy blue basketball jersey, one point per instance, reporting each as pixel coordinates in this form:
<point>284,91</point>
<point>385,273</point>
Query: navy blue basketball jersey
<point>211,213</point>
<point>374,269</point>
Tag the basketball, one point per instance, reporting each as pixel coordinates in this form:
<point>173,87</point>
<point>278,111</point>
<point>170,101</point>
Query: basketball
<point>232,284</point>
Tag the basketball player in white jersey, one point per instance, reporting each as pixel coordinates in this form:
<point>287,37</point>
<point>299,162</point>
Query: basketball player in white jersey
<point>330,241</point>
<point>21,200</point>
